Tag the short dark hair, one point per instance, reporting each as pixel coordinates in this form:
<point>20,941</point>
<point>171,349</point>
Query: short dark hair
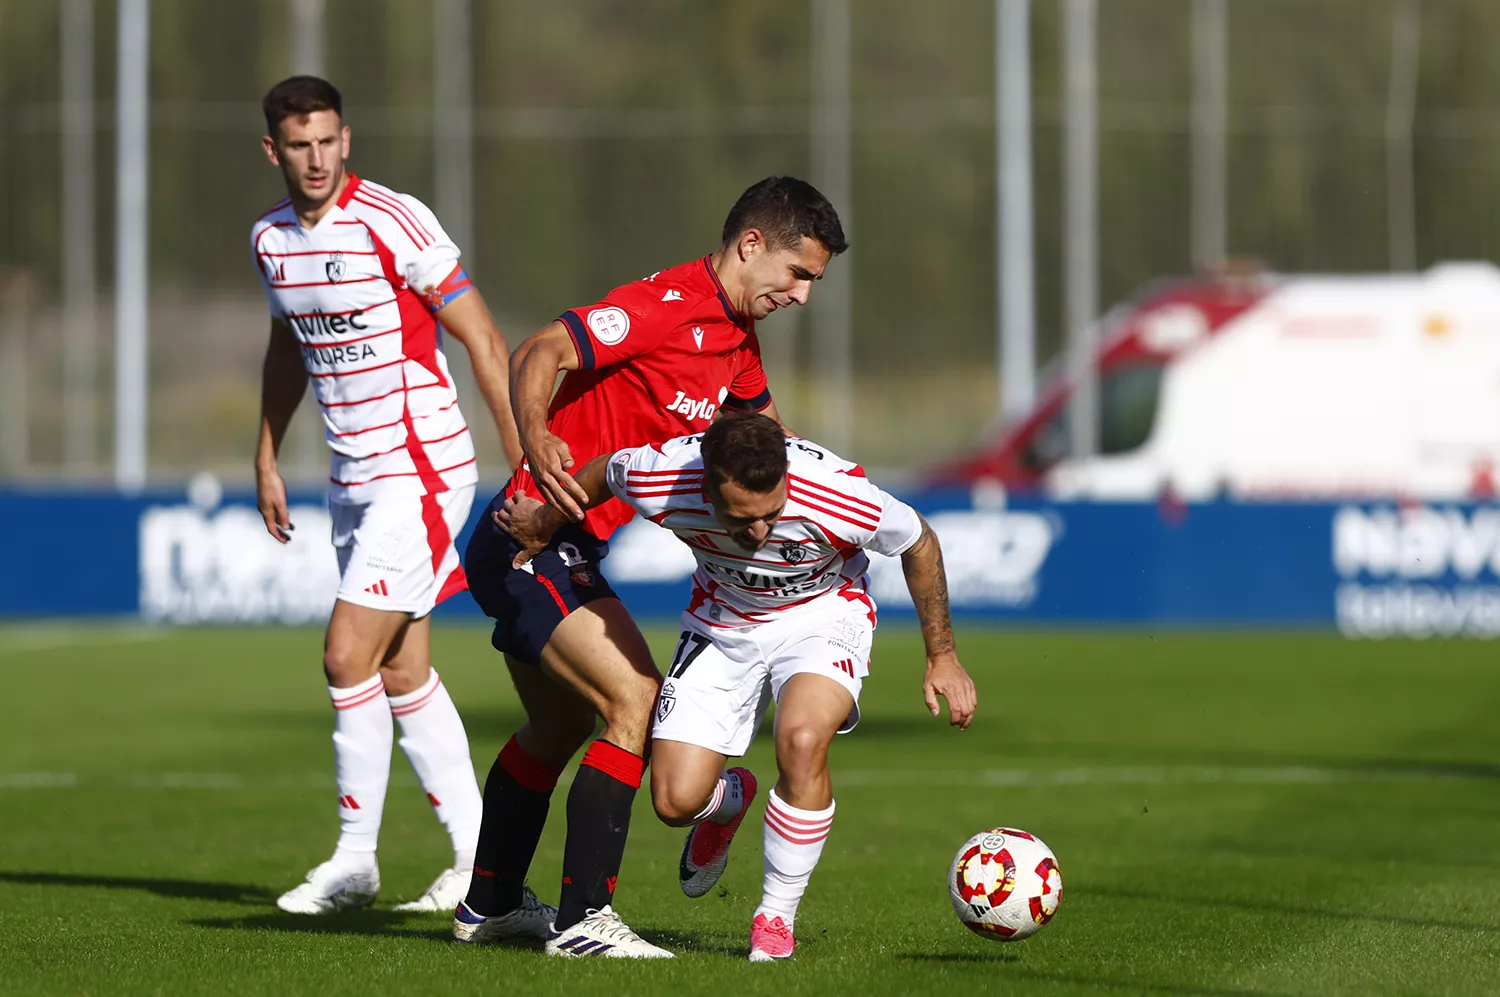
<point>785,210</point>
<point>747,448</point>
<point>299,96</point>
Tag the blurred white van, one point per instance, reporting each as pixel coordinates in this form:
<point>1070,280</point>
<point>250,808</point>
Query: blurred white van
<point>1276,387</point>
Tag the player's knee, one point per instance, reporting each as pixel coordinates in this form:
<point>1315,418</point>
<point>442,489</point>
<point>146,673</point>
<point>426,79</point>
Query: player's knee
<point>801,750</point>
<point>677,804</point>
<point>344,668</point>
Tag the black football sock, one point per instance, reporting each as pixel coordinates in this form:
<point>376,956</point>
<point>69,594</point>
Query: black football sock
<point>517,795</point>
<point>598,823</point>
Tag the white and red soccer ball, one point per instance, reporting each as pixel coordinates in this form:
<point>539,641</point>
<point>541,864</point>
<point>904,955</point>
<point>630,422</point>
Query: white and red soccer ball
<point>1004,884</point>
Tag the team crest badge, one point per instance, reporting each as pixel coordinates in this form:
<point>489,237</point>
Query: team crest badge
<point>793,552</point>
<point>582,576</point>
<point>665,702</point>
<point>335,268</point>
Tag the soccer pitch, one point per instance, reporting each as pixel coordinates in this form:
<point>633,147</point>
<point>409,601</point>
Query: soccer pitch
<point>1261,814</point>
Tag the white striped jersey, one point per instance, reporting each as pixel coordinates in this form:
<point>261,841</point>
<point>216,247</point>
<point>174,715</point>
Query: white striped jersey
<point>359,290</point>
<point>816,550</point>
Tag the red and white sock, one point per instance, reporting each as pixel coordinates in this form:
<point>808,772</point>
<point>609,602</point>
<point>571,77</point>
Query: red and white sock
<point>433,737</point>
<point>362,734</point>
<point>793,841</point>
<point>725,803</point>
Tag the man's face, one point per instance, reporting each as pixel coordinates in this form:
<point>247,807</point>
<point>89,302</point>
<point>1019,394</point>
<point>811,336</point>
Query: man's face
<point>778,278</point>
<point>748,516</point>
<point>311,151</point>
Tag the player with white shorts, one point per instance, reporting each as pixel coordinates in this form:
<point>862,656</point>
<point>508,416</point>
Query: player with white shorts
<point>722,682</point>
<point>781,612</point>
<point>361,282</point>
<point>387,558</point>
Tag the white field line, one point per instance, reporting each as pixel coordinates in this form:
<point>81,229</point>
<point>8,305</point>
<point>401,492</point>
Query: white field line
<point>899,778</point>
<point>25,639</point>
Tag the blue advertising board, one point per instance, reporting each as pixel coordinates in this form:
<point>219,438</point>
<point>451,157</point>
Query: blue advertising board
<point>1369,570</point>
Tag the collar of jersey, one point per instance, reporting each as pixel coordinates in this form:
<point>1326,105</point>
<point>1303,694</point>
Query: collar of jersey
<point>734,316</point>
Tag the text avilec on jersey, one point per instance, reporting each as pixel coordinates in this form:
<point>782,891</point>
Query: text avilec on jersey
<point>359,291</point>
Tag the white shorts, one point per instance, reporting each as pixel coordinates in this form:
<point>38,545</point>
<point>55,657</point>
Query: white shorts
<point>397,552</point>
<point>721,681</point>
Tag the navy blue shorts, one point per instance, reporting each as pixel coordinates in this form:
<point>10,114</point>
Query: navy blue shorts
<point>528,603</point>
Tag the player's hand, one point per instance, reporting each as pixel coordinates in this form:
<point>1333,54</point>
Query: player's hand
<point>550,459</point>
<point>946,677</point>
<point>270,497</point>
<point>530,523</point>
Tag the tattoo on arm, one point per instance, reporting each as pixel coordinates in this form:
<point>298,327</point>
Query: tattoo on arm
<point>928,584</point>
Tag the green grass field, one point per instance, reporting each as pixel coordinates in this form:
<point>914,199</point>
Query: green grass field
<point>1267,814</point>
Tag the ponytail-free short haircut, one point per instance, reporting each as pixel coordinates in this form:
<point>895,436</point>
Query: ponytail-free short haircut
<point>299,96</point>
<point>747,448</point>
<point>786,210</point>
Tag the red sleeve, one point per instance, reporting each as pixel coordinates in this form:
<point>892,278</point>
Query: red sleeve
<point>749,390</point>
<point>628,323</point>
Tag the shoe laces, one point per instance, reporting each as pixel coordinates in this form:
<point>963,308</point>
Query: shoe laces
<point>777,927</point>
<point>610,925</point>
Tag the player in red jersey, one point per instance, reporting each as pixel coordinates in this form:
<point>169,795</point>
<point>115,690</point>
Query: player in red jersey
<point>654,360</point>
<point>359,278</point>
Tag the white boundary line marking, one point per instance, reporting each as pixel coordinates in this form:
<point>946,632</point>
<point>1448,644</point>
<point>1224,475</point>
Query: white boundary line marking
<point>26,639</point>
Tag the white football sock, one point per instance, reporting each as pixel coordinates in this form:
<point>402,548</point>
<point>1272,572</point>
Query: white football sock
<point>793,841</point>
<point>725,802</point>
<point>433,737</point>
<point>362,734</point>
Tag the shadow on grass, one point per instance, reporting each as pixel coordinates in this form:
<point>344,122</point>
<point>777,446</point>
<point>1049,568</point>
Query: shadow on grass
<point>372,923</point>
<point>425,927</point>
<point>1136,986</point>
<point>705,942</point>
<point>187,889</point>
<point>1297,910</point>
<point>980,958</point>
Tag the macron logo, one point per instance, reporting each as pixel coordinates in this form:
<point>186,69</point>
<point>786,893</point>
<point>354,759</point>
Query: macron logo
<point>672,294</point>
<point>698,336</point>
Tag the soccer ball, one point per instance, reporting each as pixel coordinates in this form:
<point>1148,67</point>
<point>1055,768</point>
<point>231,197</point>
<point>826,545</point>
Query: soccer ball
<point>1004,884</point>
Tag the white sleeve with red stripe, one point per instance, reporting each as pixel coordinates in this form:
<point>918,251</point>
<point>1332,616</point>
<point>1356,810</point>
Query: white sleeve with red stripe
<point>847,502</point>
<point>262,262</point>
<point>900,526</point>
<point>424,253</point>
<point>653,479</point>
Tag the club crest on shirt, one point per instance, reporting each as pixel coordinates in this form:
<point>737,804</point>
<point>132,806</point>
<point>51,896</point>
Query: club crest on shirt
<point>334,267</point>
<point>583,577</point>
<point>665,702</point>
<point>792,552</point>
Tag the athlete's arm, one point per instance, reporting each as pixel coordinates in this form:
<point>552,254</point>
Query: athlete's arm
<point>469,319</point>
<point>533,376</point>
<point>532,523</point>
<point>922,563</point>
<point>283,380</point>
<point>770,410</point>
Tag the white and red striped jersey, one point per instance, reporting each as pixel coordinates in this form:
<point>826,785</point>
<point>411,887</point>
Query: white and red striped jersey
<point>360,290</point>
<point>816,550</point>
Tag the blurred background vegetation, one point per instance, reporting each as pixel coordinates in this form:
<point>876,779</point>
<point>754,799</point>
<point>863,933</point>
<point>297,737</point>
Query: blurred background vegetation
<point>611,138</point>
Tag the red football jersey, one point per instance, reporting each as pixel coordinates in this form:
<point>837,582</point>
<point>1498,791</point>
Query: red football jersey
<point>657,358</point>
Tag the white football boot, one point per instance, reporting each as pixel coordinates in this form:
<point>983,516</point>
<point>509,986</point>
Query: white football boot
<point>602,933</point>
<point>533,919</point>
<point>331,887</point>
<point>445,893</point>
